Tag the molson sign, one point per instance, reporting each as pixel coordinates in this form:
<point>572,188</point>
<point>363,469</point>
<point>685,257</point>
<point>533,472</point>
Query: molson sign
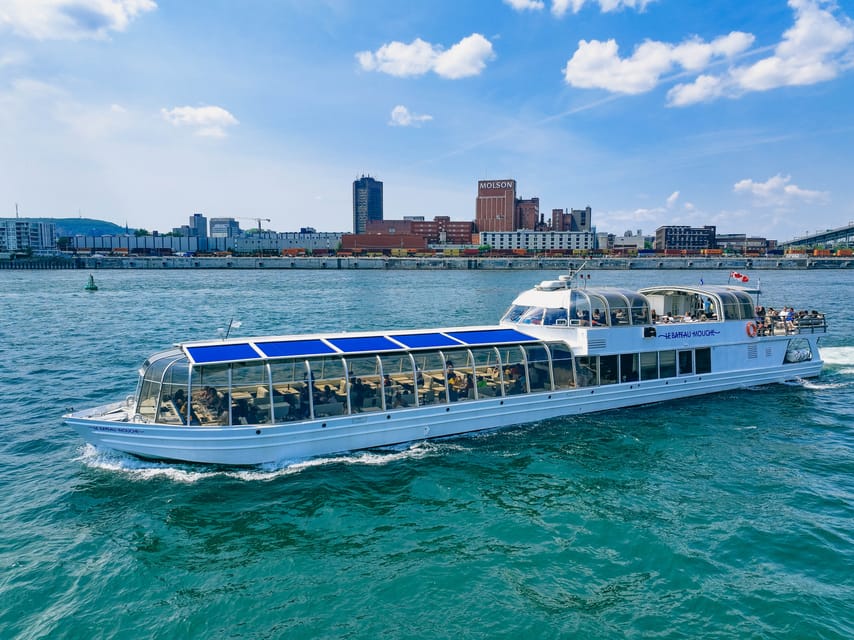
<point>496,184</point>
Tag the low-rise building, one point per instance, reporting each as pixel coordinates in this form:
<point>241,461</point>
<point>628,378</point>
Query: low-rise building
<point>539,240</point>
<point>684,238</point>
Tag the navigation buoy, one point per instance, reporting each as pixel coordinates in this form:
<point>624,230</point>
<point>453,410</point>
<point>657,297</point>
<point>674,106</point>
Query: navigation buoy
<point>91,286</point>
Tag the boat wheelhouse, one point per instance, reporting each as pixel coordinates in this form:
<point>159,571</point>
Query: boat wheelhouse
<point>559,350</point>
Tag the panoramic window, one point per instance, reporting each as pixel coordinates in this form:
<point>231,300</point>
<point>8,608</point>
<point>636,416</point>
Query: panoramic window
<point>328,387</point>
<point>487,372</point>
<point>366,384</point>
<point>515,374</point>
<point>588,373</point>
<point>686,362</point>
<point>398,381</point>
<point>629,367</point>
<point>609,369</point>
<point>290,391</point>
<point>173,393</point>
<point>250,393</point>
<point>564,376</point>
<point>667,364</point>
<point>211,403</point>
<point>539,376</point>
<point>703,360</point>
<point>649,365</point>
<point>430,369</point>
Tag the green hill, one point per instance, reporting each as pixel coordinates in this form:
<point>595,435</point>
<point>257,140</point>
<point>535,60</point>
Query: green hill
<point>82,226</point>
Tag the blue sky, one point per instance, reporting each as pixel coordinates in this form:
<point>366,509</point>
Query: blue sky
<point>650,111</point>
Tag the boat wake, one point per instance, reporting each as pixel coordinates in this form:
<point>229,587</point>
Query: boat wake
<point>816,386</point>
<point>137,468</point>
<point>839,356</point>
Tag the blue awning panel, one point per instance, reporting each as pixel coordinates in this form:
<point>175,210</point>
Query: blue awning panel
<point>366,343</point>
<point>222,353</point>
<point>425,340</point>
<point>491,336</point>
<point>285,348</point>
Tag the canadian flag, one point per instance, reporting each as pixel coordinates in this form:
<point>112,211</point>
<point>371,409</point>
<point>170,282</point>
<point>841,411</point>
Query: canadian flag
<point>739,276</point>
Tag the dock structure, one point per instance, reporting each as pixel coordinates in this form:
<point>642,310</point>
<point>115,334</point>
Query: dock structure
<point>532,263</point>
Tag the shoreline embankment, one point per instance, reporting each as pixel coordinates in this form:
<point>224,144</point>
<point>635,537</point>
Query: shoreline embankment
<point>432,263</point>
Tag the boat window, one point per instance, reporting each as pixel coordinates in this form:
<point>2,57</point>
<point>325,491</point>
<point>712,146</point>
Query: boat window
<point>514,313</point>
<point>210,397</point>
<point>555,317</point>
<point>618,308</point>
<point>487,372</point>
<point>539,372</point>
<point>366,384</point>
<point>534,315</point>
<point>639,308</point>
<point>398,380</point>
<point>667,364</point>
<point>564,377</point>
<point>703,360</point>
<point>151,379</point>
<point>732,309</point>
<point>599,310</point>
<point>250,393</point>
<point>686,362</point>
<point>329,387</point>
<point>746,304</point>
<point>629,370</point>
<point>588,371</point>
<point>290,391</point>
<point>579,308</point>
<point>649,365</point>
<point>609,368</point>
<point>798,350</point>
<point>432,371</point>
<point>172,408</point>
<point>460,374</point>
<point>513,366</point>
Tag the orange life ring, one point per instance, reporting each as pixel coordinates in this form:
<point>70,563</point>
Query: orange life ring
<point>751,329</point>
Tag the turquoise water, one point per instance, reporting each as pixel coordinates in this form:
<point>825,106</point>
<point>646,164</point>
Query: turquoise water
<point>729,516</point>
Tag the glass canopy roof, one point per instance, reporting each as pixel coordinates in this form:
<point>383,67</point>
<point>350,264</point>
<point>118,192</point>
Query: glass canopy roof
<point>258,349</point>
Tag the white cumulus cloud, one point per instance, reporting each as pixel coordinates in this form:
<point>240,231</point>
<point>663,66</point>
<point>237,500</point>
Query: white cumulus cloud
<point>70,20</point>
<point>466,58</point>
<point>560,7</point>
<point>777,191</point>
<point>526,5</point>
<point>210,121</point>
<point>671,199</point>
<point>403,117</point>
<point>818,47</point>
<point>598,64</point>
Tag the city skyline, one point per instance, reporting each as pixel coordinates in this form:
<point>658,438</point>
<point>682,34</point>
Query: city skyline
<point>652,112</point>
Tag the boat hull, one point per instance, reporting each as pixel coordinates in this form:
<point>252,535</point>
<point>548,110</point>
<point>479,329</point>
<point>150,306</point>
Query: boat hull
<point>259,444</point>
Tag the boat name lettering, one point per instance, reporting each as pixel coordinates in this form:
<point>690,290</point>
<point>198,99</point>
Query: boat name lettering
<point>696,333</point>
<point>117,429</point>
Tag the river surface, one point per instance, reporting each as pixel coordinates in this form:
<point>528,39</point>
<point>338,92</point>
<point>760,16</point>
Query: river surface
<point>726,516</point>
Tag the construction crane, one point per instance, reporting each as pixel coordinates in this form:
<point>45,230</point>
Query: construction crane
<point>258,220</point>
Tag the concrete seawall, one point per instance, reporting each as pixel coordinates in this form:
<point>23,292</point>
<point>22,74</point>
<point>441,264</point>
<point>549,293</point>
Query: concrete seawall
<point>501,264</point>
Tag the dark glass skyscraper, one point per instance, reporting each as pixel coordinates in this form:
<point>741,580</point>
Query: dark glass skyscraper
<point>367,202</point>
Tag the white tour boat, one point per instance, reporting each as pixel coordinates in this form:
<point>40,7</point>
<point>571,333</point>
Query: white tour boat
<point>559,350</point>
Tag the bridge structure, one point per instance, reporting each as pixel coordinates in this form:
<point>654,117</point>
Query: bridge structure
<point>841,236</point>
